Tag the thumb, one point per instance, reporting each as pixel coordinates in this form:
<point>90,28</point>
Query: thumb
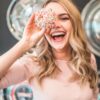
<point>38,35</point>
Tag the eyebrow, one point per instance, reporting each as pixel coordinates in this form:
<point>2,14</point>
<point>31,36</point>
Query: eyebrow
<point>62,14</point>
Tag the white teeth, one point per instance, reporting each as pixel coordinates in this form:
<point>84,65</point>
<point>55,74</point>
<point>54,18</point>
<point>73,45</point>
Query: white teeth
<point>56,34</point>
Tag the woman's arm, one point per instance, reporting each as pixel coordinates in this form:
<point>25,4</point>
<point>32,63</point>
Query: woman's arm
<point>31,36</point>
<point>21,70</point>
<point>7,59</point>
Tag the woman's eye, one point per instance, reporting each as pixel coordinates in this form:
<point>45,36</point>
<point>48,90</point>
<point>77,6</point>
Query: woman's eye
<point>65,18</point>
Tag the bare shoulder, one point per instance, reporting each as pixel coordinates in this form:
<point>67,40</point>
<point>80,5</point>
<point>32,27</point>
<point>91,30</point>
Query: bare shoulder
<point>30,63</point>
<point>22,61</point>
<point>30,66</point>
<point>26,61</point>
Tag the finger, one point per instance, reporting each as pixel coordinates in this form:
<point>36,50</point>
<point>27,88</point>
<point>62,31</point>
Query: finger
<point>30,24</point>
<point>43,30</point>
<point>31,19</point>
<point>38,34</point>
<point>47,30</point>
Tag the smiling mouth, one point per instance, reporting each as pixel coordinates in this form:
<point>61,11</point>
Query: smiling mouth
<point>58,36</point>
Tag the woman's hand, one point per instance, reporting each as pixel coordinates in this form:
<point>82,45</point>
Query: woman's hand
<point>30,37</point>
<point>32,34</point>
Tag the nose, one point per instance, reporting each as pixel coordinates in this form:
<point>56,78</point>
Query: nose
<point>56,24</point>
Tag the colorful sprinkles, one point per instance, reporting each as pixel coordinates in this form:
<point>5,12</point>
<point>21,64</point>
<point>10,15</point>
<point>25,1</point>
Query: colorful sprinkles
<point>44,18</point>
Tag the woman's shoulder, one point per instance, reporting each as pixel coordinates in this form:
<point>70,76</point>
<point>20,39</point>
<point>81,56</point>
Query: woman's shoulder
<point>25,59</point>
<point>29,64</point>
<point>22,61</point>
<point>29,60</point>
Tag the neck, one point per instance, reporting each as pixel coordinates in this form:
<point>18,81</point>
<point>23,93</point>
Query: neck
<point>62,54</point>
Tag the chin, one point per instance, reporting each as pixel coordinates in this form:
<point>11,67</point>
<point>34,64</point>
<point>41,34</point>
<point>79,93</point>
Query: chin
<point>59,47</point>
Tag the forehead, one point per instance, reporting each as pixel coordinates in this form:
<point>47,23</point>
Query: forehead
<point>56,7</point>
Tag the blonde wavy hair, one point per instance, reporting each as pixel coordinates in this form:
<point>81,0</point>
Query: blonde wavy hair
<point>80,53</point>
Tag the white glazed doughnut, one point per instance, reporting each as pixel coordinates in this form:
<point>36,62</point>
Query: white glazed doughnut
<point>44,18</point>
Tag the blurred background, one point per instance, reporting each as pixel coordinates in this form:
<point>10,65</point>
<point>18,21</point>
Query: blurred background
<point>14,15</point>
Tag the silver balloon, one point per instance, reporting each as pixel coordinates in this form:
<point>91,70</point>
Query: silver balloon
<point>18,13</point>
<point>91,22</point>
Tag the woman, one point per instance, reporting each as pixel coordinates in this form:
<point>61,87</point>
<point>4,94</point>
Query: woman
<point>64,68</point>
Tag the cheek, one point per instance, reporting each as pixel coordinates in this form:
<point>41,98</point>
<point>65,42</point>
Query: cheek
<point>47,31</point>
<point>68,27</point>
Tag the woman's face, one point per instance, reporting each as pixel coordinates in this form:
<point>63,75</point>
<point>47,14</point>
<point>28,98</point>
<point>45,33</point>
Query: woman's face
<point>59,33</point>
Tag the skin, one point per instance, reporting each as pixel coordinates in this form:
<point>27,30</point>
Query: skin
<point>52,89</point>
<point>62,24</point>
<point>31,36</point>
<point>60,86</point>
